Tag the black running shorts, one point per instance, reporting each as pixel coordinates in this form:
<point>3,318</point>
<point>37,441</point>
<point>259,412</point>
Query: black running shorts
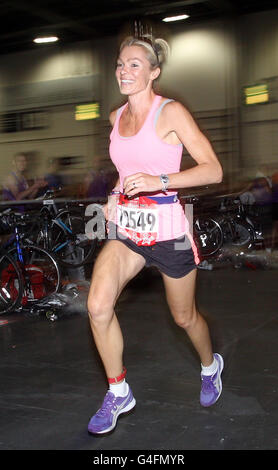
<point>175,258</point>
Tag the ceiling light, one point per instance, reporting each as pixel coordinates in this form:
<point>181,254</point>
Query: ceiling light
<point>43,40</point>
<point>175,18</point>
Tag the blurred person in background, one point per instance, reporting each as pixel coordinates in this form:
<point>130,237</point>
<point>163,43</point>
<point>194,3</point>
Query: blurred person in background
<point>264,172</point>
<point>259,195</point>
<point>95,184</point>
<point>262,193</point>
<point>52,176</point>
<point>15,185</point>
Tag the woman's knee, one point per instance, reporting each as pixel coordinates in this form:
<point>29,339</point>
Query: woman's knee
<point>185,318</point>
<point>100,309</point>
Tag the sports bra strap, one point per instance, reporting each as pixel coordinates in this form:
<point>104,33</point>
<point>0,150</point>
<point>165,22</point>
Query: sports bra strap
<point>120,109</point>
<point>159,110</point>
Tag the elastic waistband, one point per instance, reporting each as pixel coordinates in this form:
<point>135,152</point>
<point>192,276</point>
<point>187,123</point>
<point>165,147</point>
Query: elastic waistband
<point>159,199</point>
<point>164,199</point>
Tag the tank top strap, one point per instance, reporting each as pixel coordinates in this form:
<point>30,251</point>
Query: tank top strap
<point>120,110</point>
<point>118,114</point>
<point>150,117</point>
<point>15,175</point>
<point>116,123</point>
<point>21,183</point>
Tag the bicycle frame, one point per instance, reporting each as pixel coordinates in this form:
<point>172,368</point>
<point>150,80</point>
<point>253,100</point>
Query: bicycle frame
<point>61,224</point>
<point>62,231</point>
<point>18,246</point>
<point>16,240</point>
<point>48,205</point>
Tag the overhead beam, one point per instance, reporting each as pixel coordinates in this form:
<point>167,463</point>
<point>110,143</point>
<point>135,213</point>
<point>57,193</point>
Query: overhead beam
<point>222,5</point>
<point>50,16</point>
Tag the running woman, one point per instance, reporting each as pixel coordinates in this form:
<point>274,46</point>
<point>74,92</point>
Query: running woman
<point>149,225</point>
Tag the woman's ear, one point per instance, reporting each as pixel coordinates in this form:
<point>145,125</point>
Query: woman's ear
<point>155,73</point>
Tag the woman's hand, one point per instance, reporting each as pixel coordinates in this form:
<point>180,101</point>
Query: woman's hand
<point>116,189</point>
<point>141,183</point>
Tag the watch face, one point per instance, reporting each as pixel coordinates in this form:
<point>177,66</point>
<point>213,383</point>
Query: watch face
<point>165,178</point>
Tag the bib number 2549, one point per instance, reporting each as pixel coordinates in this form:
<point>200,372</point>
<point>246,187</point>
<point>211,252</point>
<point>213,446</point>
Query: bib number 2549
<point>139,220</point>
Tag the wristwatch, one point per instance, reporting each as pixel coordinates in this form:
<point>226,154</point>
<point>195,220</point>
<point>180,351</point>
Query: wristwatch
<point>165,181</point>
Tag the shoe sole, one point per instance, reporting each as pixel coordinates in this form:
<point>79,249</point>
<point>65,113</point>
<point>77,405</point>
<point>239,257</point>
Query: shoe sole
<point>125,411</point>
<point>221,369</point>
<point>221,361</point>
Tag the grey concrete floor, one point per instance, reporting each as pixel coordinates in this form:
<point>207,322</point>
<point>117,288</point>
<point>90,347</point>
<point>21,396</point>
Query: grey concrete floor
<point>52,380</point>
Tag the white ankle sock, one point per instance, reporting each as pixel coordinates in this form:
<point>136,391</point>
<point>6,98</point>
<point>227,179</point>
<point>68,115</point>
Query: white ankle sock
<point>120,389</point>
<point>209,370</point>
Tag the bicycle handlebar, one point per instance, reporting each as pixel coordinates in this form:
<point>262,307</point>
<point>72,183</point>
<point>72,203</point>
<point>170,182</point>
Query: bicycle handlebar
<point>14,218</point>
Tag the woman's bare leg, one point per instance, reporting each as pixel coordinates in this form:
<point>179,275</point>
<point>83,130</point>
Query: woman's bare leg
<point>180,294</point>
<point>115,266</point>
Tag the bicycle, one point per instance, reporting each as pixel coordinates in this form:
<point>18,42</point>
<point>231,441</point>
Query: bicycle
<point>11,285</point>
<point>223,223</point>
<point>62,231</point>
<point>37,272</point>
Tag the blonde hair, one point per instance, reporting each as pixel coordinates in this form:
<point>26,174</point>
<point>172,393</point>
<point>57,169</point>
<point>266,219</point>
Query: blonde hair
<point>158,50</point>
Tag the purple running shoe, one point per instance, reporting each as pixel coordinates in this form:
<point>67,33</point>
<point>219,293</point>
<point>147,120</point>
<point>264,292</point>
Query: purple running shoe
<point>105,419</point>
<point>212,384</point>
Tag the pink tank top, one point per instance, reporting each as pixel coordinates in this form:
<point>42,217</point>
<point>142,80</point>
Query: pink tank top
<point>145,152</point>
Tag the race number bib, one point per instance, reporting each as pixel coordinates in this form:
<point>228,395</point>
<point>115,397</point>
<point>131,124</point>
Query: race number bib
<point>137,219</point>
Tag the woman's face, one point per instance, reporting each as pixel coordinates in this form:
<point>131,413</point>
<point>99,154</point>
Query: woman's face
<point>133,70</point>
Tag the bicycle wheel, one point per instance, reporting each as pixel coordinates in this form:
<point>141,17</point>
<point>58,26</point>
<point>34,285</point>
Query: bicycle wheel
<point>68,240</point>
<point>243,235</point>
<point>208,236</point>
<point>40,271</point>
<point>11,284</point>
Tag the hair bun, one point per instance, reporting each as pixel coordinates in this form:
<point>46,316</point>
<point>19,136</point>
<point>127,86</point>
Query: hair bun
<point>159,45</point>
<point>162,49</point>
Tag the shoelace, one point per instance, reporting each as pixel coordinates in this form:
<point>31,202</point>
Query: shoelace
<point>207,383</point>
<point>108,404</point>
